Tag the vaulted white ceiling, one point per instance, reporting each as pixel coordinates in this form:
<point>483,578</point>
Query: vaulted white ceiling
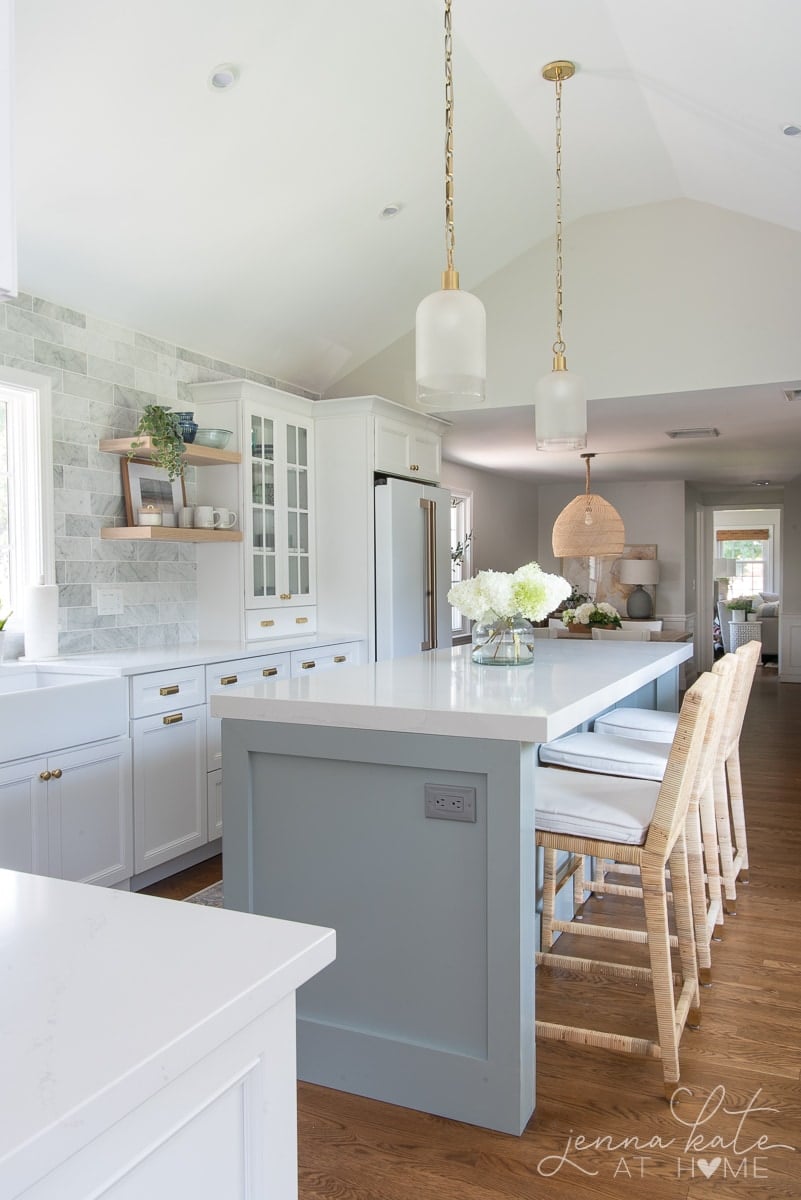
<point>246,224</point>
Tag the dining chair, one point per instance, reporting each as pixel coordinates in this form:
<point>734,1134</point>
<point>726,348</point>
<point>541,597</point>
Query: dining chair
<point>621,635</point>
<point>643,824</point>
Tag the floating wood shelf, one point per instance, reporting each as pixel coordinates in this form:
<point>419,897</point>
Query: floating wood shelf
<point>193,456</point>
<point>161,533</point>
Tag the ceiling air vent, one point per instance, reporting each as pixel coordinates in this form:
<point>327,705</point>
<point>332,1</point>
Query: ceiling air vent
<point>793,393</point>
<point>683,434</point>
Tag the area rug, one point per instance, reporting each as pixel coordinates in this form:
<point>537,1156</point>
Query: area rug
<point>210,896</point>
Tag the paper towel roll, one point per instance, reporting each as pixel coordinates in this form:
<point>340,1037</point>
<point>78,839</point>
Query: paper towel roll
<point>41,620</point>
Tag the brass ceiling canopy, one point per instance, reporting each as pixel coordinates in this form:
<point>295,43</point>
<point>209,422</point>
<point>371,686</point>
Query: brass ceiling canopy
<point>560,68</point>
<point>588,526</point>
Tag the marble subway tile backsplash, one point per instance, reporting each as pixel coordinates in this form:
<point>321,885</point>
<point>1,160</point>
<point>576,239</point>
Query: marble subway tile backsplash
<point>102,375</point>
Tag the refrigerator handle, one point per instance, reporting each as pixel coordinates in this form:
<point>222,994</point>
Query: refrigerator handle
<point>430,509</point>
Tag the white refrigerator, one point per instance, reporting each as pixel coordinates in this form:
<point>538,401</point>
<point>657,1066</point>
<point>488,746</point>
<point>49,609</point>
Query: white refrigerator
<point>412,567</point>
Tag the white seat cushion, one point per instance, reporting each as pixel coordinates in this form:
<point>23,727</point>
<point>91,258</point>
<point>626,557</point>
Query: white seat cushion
<point>607,755</point>
<point>594,806</point>
<point>646,724</point>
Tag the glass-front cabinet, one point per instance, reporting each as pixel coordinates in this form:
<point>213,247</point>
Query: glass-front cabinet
<point>279,568</point>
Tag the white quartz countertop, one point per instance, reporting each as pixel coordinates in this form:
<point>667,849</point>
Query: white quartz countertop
<point>107,996</point>
<point>444,692</point>
<point>163,658</point>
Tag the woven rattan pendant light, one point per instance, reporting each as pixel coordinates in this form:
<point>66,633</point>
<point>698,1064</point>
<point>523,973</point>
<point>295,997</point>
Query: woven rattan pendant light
<point>588,525</point>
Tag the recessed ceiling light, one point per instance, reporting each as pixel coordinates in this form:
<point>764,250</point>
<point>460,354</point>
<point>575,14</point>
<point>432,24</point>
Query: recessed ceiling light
<point>708,432</point>
<point>222,77</point>
<point>389,211</point>
<point>791,130</point>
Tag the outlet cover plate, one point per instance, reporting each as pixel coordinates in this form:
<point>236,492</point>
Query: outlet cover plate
<point>450,802</point>
<point>109,602</point>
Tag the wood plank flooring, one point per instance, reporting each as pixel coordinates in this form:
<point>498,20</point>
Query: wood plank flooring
<point>742,1069</point>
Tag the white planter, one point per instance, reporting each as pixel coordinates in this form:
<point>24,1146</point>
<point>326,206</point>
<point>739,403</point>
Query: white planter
<point>738,614</point>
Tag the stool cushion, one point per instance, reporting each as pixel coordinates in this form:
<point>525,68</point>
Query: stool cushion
<point>607,755</point>
<point>646,724</point>
<point>594,806</point>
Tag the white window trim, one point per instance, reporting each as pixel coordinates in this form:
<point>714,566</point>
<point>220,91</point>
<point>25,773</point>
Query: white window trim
<point>32,517</point>
<point>462,630</point>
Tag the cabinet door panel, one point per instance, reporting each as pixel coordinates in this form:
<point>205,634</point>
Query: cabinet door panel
<point>89,813</point>
<point>169,786</point>
<point>23,817</point>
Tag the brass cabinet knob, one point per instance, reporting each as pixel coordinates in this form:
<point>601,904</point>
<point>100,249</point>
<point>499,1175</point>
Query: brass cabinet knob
<point>307,666</point>
<point>285,596</point>
<point>340,658</point>
<point>413,467</point>
<point>268,671</point>
<point>44,776</point>
<point>56,773</point>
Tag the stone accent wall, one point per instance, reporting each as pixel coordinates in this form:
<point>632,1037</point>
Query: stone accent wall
<point>102,376</point>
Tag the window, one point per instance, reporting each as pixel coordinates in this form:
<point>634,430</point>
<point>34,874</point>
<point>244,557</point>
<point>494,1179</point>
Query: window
<point>26,487</point>
<point>751,550</point>
<point>461,550</point>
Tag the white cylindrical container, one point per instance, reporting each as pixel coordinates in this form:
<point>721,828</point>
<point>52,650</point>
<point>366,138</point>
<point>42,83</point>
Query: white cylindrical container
<point>41,620</point>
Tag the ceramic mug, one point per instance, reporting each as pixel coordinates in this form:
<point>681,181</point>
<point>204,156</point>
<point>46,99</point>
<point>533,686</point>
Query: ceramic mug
<point>227,518</point>
<point>186,517</point>
<point>206,517</point>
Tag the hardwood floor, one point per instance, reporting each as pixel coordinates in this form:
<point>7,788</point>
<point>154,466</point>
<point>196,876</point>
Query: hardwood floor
<point>742,1068</point>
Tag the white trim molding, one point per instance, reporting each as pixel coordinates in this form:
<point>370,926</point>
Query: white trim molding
<point>790,647</point>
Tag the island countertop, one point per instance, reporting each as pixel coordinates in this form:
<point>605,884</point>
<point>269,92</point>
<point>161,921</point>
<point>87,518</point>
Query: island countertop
<point>444,692</point>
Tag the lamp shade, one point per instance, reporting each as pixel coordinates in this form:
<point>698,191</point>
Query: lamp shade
<point>725,568</point>
<point>450,344</point>
<point>588,525</point>
<point>639,571</point>
<point>560,411</point>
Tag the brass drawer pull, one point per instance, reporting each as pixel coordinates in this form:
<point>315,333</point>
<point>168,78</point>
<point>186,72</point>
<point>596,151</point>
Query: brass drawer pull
<point>56,772</point>
<point>226,679</point>
<point>340,658</point>
<point>173,690</point>
<point>44,776</point>
<point>268,671</point>
<point>266,624</point>
<point>285,596</point>
<point>174,719</point>
<point>301,620</point>
<point>307,666</point>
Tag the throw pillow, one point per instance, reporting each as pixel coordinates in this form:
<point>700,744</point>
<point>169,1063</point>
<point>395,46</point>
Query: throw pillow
<point>767,610</point>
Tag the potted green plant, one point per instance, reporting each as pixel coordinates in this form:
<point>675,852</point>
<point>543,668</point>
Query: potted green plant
<point>161,425</point>
<point>740,607</point>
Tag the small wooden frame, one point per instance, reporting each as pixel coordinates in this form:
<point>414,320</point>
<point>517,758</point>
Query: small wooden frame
<point>146,486</point>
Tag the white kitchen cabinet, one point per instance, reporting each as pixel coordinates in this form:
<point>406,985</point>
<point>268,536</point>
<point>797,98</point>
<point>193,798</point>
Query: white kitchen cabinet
<point>403,449</point>
<point>273,494</point>
<point>69,814</point>
<point>169,790</point>
<point>214,816</point>
<point>321,658</point>
<point>231,674</point>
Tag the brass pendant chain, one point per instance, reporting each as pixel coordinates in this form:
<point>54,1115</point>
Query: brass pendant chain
<point>450,277</point>
<point>559,345</point>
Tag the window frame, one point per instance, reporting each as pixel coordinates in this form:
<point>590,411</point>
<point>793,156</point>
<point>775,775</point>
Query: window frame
<point>461,502</point>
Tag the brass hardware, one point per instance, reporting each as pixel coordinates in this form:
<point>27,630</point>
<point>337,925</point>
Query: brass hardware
<point>414,467</point>
<point>556,72</point>
<point>340,658</point>
<point>562,68</point>
<point>285,596</point>
<point>430,595</point>
<point>173,719</point>
<point>268,671</point>
<point>56,773</point>
<point>226,679</point>
<point>173,690</point>
<point>301,620</point>
<point>308,665</point>
<point>266,624</point>
<point>44,776</point>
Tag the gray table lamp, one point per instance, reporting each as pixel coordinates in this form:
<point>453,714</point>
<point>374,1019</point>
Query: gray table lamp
<point>639,571</point>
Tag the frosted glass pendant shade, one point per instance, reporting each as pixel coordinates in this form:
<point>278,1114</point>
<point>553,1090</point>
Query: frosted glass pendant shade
<point>560,412</point>
<point>451,351</point>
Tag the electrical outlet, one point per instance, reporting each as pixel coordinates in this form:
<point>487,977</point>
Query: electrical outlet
<point>109,602</point>
<point>450,803</point>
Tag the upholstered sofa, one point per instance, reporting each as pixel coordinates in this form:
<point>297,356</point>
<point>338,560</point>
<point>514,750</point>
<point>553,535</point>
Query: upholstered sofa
<point>766,610</point>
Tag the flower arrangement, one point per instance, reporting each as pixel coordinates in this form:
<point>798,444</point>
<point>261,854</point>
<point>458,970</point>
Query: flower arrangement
<point>503,604</point>
<point>603,614</point>
<point>742,603</point>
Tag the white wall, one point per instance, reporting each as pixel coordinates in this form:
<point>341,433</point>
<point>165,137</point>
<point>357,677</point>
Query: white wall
<point>652,514</point>
<point>661,298</point>
<point>504,517</point>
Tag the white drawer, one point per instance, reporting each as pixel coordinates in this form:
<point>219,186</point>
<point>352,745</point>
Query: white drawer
<point>321,658</point>
<point>283,622</point>
<point>238,672</point>
<point>164,691</point>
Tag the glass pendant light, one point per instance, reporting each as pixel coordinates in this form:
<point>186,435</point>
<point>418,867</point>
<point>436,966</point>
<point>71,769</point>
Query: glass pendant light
<point>588,526</point>
<point>560,409</point>
<point>450,327</point>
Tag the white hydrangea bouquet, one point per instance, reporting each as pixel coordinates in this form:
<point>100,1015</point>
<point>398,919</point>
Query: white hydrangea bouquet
<point>503,604</point>
<point>603,614</point>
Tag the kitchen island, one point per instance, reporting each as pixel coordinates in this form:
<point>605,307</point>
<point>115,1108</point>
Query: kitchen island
<point>431,1001</point>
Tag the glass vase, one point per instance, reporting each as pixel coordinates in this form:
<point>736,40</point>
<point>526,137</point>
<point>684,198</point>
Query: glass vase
<point>503,641</point>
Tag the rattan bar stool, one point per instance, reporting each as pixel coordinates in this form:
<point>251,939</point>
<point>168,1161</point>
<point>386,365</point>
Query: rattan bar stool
<point>637,822</point>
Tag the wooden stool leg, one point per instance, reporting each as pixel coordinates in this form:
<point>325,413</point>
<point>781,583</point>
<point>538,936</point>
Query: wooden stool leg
<point>737,811</point>
<point>695,867</point>
<point>548,898</point>
<point>656,922</point>
<point>711,863</point>
<point>723,825</point>
<point>579,883</point>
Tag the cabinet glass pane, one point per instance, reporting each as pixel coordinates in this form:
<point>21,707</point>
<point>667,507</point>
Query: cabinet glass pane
<point>303,490</point>
<point>293,576</point>
<point>304,576</point>
<point>292,531</point>
<point>292,487</point>
<point>303,532</point>
<point>263,575</point>
<point>303,438</point>
<point>261,438</point>
<point>292,443</point>
<point>263,529</point>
